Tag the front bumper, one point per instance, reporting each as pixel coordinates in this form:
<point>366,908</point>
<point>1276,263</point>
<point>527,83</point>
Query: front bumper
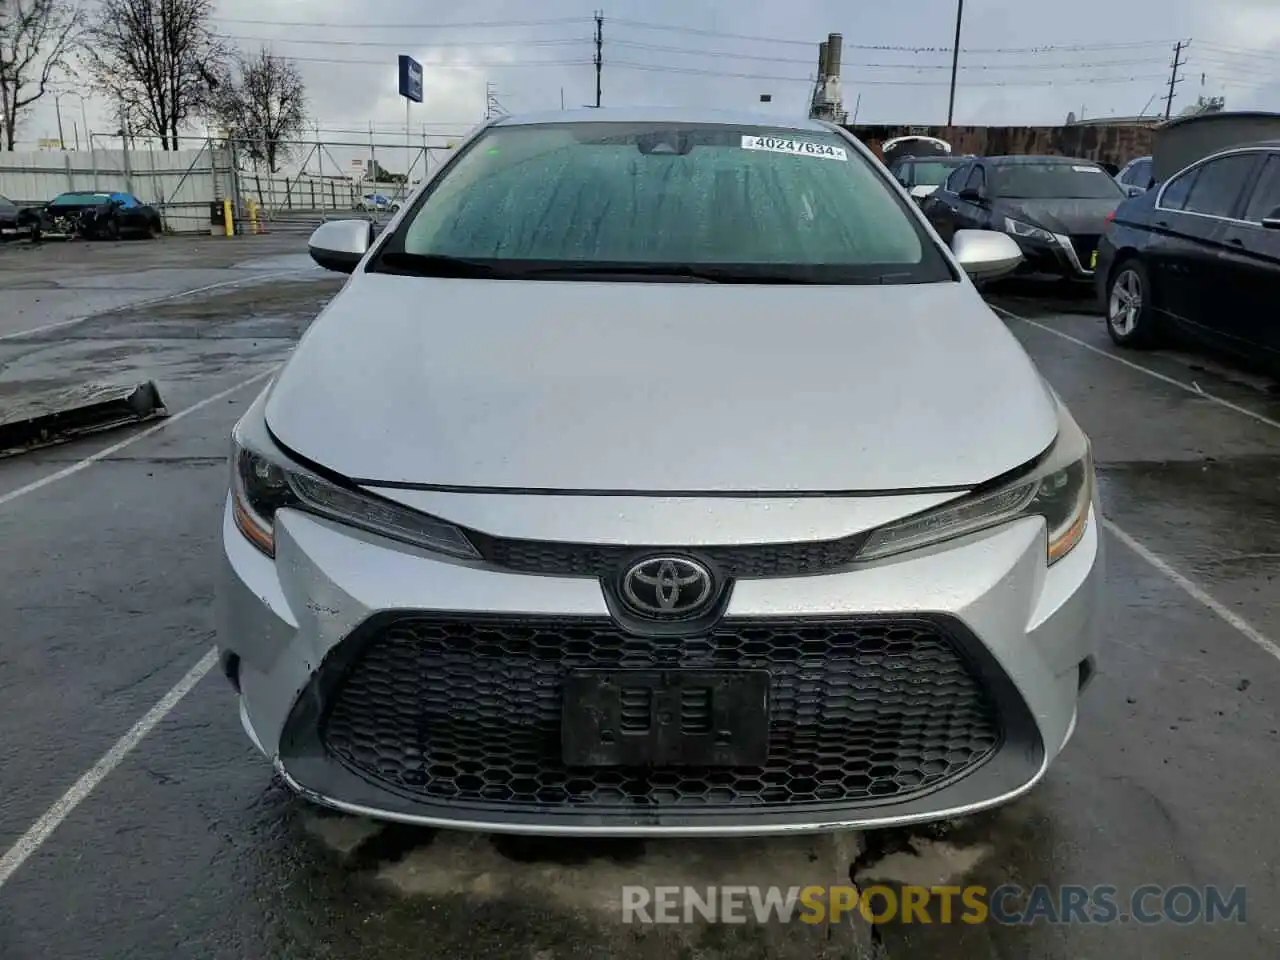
<point>291,628</point>
<point>1063,257</point>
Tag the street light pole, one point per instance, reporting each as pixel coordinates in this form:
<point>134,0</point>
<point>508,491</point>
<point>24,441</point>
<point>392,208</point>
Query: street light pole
<point>955,62</point>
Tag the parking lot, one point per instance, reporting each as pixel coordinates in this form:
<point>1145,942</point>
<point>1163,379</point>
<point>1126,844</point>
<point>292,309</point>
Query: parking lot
<point>139,823</point>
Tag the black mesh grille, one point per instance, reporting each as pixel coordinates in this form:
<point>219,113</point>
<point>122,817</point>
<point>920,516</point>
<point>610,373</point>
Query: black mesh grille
<point>753,561</point>
<point>469,711</point>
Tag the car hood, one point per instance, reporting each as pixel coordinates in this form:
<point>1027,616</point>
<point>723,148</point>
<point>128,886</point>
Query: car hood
<point>1065,216</point>
<point>662,387</point>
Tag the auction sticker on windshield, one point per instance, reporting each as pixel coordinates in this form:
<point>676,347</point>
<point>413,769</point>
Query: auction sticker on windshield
<point>803,148</point>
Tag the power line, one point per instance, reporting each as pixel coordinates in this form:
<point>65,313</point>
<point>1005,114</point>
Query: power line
<point>877,83</point>
<point>658,48</point>
<point>647,25</point>
<point>438,65</point>
<point>399,44</point>
<point>1252,52</point>
<point>676,28</point>
<point>475,25</point>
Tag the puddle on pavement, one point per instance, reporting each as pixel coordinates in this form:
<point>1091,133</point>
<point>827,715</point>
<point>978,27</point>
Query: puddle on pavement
<point>563,897</point>
<point>1222,517</point>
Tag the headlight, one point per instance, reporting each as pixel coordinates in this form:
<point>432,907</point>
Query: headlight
<point>1019,229</point>
<point>1059,489</point>
<point>260,487</point>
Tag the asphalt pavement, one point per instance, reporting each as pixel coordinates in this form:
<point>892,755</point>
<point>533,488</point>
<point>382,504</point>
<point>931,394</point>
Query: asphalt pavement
<point>177,843</point>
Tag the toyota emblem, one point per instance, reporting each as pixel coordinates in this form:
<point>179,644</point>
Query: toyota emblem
<point>668,587</point>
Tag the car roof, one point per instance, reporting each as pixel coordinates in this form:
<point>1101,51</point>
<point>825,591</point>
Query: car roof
<point>1045,158</point>
<point>664,115</point>
<point>1253,145</point>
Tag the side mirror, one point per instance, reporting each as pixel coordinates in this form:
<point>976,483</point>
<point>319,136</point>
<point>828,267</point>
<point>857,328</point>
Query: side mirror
<point>973,195</point>
<point>986,254</point>
<point>1272,220</point>
<point>340,245</point>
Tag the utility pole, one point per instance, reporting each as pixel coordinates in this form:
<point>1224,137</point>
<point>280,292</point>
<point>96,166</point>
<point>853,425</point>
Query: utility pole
<point>1174,79</point>
<point>57,108</point>
<point>955,62</point>
<point>599,46</point>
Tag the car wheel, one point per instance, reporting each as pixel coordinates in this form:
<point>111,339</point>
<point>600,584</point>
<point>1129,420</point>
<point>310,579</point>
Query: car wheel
<point>155,230</point>
<point>1130,317</point>
<point>109,230</point>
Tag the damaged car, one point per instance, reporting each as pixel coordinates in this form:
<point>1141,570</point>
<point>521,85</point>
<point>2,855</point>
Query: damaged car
<point>1055,208</point>
<point>732,508</point>
<point>16,221</point>
<point>99,215</point>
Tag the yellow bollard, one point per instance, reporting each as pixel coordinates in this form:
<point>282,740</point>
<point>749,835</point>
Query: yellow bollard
<point>253,217</point>
<point>227,218</point>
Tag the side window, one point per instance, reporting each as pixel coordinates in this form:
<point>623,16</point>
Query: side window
<point>1266,192</point>
<point>1142,174</point>
<point>1179,188</point>
<point>1219,185</point>
<point>977,179</point>
<point>953,183</point>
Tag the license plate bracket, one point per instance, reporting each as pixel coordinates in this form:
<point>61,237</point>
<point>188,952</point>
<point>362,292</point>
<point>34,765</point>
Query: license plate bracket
<point>651,718</point>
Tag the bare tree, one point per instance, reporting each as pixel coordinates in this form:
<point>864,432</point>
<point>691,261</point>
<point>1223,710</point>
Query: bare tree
<point>158,59</point>
<point>36,37</point>
<point>264,104</point>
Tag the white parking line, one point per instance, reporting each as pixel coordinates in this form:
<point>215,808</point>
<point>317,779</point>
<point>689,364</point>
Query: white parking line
<point>1243,411</point>
<point>129,441</point>
<point>1198,593</point>
<point>58,324</point>
<point>40,831</point>
<point>29,842</point>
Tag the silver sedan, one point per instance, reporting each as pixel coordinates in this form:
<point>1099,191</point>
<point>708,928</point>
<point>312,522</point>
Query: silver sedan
<point>659,472</point>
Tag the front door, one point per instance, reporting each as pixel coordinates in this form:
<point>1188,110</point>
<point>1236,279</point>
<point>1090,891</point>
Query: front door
<point>1192,261</point>
<point>1253,253</point>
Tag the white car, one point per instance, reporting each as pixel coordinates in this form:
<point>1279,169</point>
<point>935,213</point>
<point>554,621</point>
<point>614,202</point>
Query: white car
<point>659,472</point>
<point>377,202</point>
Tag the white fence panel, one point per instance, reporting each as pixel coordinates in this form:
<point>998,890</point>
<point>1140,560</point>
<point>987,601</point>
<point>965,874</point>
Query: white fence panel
<point>181,184</point>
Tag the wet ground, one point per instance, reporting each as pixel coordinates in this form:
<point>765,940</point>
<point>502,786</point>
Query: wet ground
<point>184,847</point>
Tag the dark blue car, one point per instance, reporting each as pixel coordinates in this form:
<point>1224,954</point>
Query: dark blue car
<point>1198,257</point>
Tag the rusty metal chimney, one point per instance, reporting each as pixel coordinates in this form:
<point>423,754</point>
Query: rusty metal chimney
<point>835,46</point>
<point>822,59</point>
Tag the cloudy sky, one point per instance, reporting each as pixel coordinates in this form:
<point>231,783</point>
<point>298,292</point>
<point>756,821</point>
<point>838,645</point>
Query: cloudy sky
<point>1021,62</point>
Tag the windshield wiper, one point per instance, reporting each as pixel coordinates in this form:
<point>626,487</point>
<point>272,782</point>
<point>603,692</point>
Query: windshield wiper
<point>698,274</point>
<point>436,265</point>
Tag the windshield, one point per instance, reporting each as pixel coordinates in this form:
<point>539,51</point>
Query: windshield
<point>931,173</point>
<point>743,202</point>
<point>78,199</point>
<point>1055,181</point>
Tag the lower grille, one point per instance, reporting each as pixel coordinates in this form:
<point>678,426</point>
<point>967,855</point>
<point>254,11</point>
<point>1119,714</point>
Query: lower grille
<point>1084,247</point>
<point>468,711</point>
